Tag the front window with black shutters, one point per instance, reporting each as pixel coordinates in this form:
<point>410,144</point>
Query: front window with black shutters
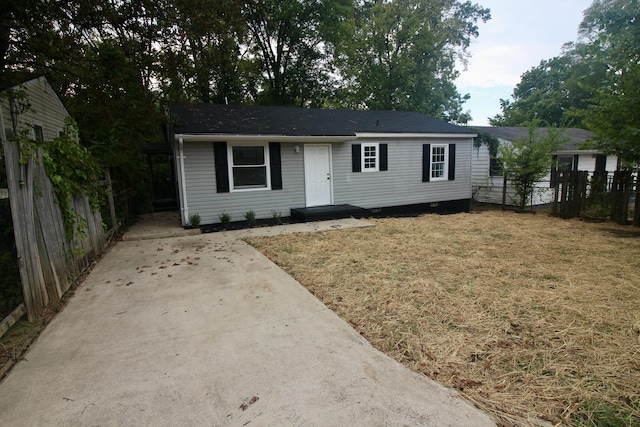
<point>249,167</point>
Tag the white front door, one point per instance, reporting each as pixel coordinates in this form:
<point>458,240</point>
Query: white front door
<point>317,174</point>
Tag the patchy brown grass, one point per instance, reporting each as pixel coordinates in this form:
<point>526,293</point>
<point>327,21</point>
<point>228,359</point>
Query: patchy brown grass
<point>531,317</point>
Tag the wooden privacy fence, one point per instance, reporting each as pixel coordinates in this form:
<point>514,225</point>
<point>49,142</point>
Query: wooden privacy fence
<point>570,194</point>
<point>618,197</point>
<point>48,261</point>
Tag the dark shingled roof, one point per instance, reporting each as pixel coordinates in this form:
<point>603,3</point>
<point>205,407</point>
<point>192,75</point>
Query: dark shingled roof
<point>292,121</point>
<point>576,137</point>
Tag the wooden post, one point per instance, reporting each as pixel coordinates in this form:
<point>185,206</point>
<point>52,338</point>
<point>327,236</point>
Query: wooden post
<point>20,183</point>
<point>112,207</point>
<point>636,206</point>
<point>504,191</point>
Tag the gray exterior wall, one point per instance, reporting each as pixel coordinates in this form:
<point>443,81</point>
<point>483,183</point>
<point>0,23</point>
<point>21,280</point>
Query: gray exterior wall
<point>203,199</point>
<point>400,185</point>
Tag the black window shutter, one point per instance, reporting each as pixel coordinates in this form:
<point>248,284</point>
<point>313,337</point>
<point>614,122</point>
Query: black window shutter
<point>452,162</point>
<point>356,165</point>
<point>601,163</point>
<point>426,162</point>
<point>554,171</point>
<point>275,162</point>
<point>575,162</point>
<point>222,167</point>
<point>383,157</point>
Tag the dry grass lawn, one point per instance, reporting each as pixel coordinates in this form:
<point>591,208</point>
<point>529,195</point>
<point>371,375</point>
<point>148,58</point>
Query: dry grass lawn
<point>532,318</point>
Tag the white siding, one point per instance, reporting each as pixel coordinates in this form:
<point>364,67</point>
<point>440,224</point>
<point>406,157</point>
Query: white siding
<point>45,110</point>
<point>488,189</point>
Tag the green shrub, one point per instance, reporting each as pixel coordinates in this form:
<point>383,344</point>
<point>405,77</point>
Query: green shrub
<point>250,216</point>
<point>277,217</point>
<point>225,219</point>
<point>194,220</point>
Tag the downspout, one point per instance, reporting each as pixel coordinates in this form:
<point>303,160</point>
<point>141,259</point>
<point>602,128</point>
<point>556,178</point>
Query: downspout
<point>183,185</point>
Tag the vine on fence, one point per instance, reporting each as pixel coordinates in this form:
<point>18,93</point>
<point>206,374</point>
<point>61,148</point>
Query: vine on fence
<point>70,167</point>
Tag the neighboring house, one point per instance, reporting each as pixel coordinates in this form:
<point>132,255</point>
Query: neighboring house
<point>487,172</point>
<point>34,106</point>
<point>272,160</point>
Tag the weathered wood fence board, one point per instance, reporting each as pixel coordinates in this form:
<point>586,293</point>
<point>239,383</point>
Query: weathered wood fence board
<point>620,195</point>
<point>570,194</point>
<point>47,260</point>
<point>574,192</point>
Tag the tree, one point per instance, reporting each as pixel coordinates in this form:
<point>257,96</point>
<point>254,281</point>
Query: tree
<point>545,94</point>
<point>402,55</point>
<point>291,42</point>
<point>200,56</point>
<point>594,84</point>
<point>610,36</point>
<point>528,159</point>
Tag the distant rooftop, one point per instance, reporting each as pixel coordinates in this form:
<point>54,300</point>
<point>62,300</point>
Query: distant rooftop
<point>576,137</point>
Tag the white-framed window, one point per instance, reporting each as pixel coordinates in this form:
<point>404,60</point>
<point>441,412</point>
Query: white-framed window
<point>370,157</point>
<point>249,167</point>
<point>439,160</point>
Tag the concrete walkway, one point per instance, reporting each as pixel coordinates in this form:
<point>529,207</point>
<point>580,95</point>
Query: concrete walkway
<point>203,330</point>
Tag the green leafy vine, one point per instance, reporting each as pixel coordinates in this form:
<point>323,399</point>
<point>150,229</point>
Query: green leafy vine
<point>489,140</point>
<point>72,170</point>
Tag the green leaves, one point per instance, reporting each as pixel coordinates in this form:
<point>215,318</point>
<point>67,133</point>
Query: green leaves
<point>402,55</point>
<point>73,171</point>
<point>528,159</point>
<point>595,84</point>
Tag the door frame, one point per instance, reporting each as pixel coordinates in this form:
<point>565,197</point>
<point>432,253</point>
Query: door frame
<point>330,155</point>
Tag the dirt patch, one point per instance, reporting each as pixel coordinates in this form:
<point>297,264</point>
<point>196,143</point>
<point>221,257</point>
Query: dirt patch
<point>532,318</point>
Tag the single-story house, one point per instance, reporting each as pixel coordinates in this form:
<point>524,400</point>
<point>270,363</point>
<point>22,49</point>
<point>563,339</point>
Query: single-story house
<point>287,161</point>
<point>487,173</point>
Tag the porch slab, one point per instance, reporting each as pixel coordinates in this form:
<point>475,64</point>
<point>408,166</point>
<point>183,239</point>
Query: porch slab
<point>323,213</point>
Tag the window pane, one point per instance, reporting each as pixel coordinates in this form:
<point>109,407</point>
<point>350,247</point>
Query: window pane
<point>437,170</point>
<point>565,163</point>
<point>250,177</point>
<point>38,134</point>
<point>438,154</point>
<point>369,151</point>
<point>248,155</point>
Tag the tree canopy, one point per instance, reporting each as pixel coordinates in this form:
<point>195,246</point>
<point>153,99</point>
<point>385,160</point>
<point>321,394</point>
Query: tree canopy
<point>594,84</point>
<point>115,63</point>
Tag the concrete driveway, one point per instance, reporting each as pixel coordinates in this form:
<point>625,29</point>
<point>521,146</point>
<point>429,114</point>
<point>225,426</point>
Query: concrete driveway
<point>204,330</point>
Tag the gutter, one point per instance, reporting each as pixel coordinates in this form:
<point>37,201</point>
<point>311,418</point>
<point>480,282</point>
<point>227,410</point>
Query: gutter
<point>183,183</point>
<point>311,138</point>
<point>208,137</point>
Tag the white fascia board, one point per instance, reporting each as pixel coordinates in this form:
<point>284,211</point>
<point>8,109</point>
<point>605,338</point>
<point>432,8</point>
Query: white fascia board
<point>265,138</point>
<point>415,135</point>
<point>573,152</point>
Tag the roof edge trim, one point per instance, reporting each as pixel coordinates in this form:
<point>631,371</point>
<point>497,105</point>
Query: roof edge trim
<point>360,135</point>
<point>272,138</point>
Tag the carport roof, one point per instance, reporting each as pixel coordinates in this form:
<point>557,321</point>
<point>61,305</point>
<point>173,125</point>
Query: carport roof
<point>292,121</point>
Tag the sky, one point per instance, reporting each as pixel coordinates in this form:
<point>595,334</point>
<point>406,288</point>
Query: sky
<point>518,36</point>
